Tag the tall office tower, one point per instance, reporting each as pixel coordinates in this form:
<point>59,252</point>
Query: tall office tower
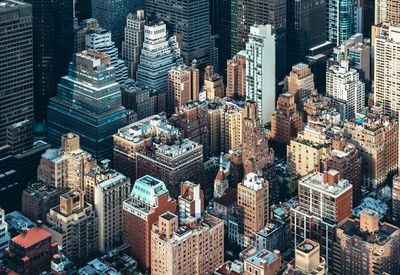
<point>190,119</point>
<point>396,198</point>
<point>224,119</point>
<point>307,259</point>
<point>340,20</point>
<point>273,13</point>
<point>387,86</point>
<point>358,54</point>
<point>300,82</point>
<point>35,246</point>
<point>325,200</point>
<point>144,101</point>
<point>317,64</point>
<point>112,15</point>
<point>260,70</point>
<point>201,243</point>
<point>253,207</point>
<point>133,41</point>
<point>85,26</point>
<point>306,151</point>
<point>346,158</point>
<point>90,89</point>
<point>53,34</point>
<point>183,86</point>
<point>366,246</point>
<point>172,163</point>
<point>392,11</point>
<point>16,81</point>
<point>305,28</point>
<point>236,76</point>
<point>286,121</point>
<point>99,40</point>
<point>135,137</point>
<point>38,199</point>
<point>106,190</point>
<point>159,54</point>
<point>376,136</point>
<point>65,168</point>
<point>190,201</point>
<point>213,84</point>
<point>256,153</point>
<point>148,200</point>
<point>345,88</point>
<point>73,225</point>
<point>380,11</point>
<point>190,21</point>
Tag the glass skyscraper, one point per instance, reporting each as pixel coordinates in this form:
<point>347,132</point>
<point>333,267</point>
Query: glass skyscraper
<point>340,20</point>
<point>88,103</point>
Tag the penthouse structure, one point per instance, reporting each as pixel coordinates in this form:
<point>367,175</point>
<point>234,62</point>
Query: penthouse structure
<point>65,167</point>
<point>192,121</point>
<point>376,136</point>
<point>307,260</point>
<point>253,207</point>
<point>148,200</point>
<point>306,151</point>
<point>144,101</point>
<point>172,163</point>
<point>107,190</point>
<point>366,246</point>
<point>73,225</point>
<point>197,247</point>
<point>183,86</point>
<point>236,77</point>
<point>325,200</point>
<point>138,136</point>
<point>286,121</point>
<point>263,262</point>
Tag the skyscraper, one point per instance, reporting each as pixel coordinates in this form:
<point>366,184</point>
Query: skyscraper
<point>133,41</point>
<point>190,21</point>
<point>16,77</point>
<point>305,28</point>
<point>213,84</point>
<point>387,68</point>
<point>340,20</point>
<point>99,40</point>
<point>236,76</point>
<point>159,54</point>
<point>89,104</point>
<point>52,50</point>
<point>260,70</point>
<point>112,15</point>
<point>271,12</point>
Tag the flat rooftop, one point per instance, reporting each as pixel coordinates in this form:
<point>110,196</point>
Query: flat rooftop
<point>177,149</point>
<point>260,256</point>
<point>315,181</point>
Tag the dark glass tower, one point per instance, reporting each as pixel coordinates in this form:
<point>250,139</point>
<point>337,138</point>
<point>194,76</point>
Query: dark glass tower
<point>52,49</point>
<point>88,103</point>
<point>306,28</point>
<point>16,74</point>
<point>190,21</point>
<point>272,12</point>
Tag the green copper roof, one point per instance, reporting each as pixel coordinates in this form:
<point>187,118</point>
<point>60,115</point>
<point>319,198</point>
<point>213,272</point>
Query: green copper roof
<point>147,189</point>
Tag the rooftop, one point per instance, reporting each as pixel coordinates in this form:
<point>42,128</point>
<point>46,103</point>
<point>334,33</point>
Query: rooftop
<point>168,216</point>
<point>178,148</point>
<point>146,189</point>
<point>315,181</point>
<point>253,182</point>
<point>11,4</point>
<point>260,257</point>
<point>228,198</point>
<point>32,237</point>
